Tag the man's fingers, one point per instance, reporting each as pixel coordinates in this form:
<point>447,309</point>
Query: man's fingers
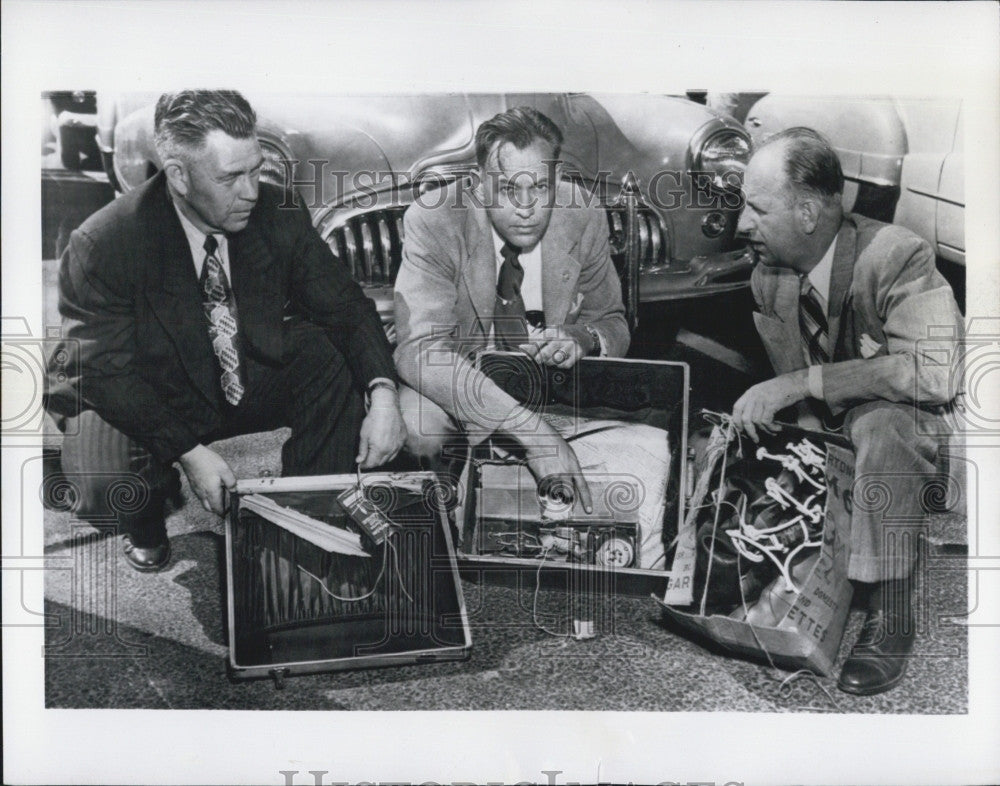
<point>228,478</point>
<point>362,456</point>
<point>215,499</point>
<point>531,350</point>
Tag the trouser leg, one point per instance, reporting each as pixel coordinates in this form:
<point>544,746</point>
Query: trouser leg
<point>313,393</point>
<point>895,473</point>
<point>432,436</point>
<point>115,480</point>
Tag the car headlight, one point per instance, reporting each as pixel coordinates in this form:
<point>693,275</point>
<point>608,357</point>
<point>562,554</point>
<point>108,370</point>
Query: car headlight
<point>275,169</point>
<point>723,156</point>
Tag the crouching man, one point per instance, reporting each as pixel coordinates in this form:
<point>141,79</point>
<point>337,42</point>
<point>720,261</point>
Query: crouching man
<point>844,303</point>
<point>200,306</point>
<point>519,261</point>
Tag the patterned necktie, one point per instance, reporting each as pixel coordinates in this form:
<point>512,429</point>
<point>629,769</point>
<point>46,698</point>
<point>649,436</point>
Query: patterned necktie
<point>220,309</point>
<point>510,327</point>
<point>812,321</point>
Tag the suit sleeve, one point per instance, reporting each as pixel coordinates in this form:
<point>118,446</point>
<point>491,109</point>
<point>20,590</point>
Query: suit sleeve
<point>96,300</point>
<point>922,326</point>
<point>323,288</point>
<point>601,289</point>
<point>432,356</point>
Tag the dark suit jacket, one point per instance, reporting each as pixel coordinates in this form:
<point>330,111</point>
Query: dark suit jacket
<point>884,285</point>
<point>135,338</point>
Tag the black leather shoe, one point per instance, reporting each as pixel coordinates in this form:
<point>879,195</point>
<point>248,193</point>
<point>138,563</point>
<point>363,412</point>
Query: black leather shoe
<point>878,661</point>
<point>149,559</point>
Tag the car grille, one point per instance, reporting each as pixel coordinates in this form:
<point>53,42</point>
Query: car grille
<point>371,244</point>
<point>654,251</point>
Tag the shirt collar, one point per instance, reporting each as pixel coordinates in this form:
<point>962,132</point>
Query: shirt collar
<point>196,242</point>
<point>819,276</point>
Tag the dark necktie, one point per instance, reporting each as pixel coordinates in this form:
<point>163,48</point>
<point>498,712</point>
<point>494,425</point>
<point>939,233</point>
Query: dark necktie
<point>220,309</point>
<point>510,327</point>
<point>812,321</point>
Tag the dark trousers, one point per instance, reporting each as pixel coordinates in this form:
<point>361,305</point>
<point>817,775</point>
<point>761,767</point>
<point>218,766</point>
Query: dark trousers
<point>116,481</point>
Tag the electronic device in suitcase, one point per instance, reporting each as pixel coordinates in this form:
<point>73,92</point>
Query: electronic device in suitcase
<point>323,575</point>
<point>627,423</point>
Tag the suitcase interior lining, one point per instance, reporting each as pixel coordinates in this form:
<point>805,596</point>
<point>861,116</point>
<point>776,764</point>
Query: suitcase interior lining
<point>282,614</point>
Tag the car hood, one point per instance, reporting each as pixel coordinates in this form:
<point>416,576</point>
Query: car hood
<point>382,137</point>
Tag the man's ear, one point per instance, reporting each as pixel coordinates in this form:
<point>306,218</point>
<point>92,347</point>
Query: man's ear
<point>808,210</point>
<point>177,175</point>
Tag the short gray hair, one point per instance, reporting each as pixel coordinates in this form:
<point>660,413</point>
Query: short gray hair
<point>810,162</point>
<point>184,119</point>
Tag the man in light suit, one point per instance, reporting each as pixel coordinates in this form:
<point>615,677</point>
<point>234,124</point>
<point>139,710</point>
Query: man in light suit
<point>477,262</point>
<point>849,309</point>
<point>200,306</point>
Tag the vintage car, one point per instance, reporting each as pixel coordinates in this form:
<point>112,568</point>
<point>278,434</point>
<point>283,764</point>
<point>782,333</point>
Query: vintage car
<point>902,157</point>
<point>667,170</point>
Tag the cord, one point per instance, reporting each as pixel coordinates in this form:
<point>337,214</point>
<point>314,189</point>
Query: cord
<point>534,602</point>
<point>332,594</point>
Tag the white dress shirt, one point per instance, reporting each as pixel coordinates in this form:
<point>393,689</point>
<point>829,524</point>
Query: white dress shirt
<point>196,239</point>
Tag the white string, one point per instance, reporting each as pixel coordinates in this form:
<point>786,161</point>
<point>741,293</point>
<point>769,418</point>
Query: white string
<point>332,594</point>
<point>534,603</point>
<point>399,573</point>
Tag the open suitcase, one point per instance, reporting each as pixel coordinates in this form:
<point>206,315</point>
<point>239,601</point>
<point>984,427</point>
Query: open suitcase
<point>627,422</point>
<point>296,608</point>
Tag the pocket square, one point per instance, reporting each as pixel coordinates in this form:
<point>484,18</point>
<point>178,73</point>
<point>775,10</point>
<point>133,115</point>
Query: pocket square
<point>868,346</point>
<point>577,303</point>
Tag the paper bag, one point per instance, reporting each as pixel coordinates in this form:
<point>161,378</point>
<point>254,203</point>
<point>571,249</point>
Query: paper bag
<point>806,626</point>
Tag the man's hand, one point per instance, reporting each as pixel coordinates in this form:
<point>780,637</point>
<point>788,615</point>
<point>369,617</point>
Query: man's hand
<point>550,458</point>
<point>208,473</point>
<point>383,433</point>
<point>757,407</point>
<point>556,348</point>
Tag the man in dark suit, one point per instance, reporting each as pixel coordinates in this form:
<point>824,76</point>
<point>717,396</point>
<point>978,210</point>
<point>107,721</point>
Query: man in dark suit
<point>864,333</point>
<point>201,306</point>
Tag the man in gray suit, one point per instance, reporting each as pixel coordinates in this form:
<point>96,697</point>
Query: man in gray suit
<point>848,307</point>
<point>478,264</point>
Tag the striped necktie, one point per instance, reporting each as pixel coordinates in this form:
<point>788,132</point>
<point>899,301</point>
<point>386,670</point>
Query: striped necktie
<point>812,321</point>
<point>220,309</point>
<point>510,327</point>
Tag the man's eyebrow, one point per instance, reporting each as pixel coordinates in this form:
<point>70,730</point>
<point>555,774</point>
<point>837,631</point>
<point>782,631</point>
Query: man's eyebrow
<point>226,173</point>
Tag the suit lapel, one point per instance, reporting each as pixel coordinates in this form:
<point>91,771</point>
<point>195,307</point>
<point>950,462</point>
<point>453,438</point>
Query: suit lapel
<point>841,275</point>
<point>173,293</point>
<point>781,333</point>
<point>479,273</point>
<point>560,270</point>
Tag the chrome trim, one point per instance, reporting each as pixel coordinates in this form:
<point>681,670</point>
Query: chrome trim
<point>368,244</point>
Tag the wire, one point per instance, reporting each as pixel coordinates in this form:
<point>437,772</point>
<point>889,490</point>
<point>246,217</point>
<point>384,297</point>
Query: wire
<point>332,594</point>
<point>399,573</point>
<point>534,602</point>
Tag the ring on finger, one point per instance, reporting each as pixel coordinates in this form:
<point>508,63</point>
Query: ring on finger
<point>558,356</point>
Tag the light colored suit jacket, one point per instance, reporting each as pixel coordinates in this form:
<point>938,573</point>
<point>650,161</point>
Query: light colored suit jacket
<point>893,321</point>
<point>446,290</point>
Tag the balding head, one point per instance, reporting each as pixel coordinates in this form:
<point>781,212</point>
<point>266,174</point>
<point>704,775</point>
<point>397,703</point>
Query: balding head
<point>793,187</point>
